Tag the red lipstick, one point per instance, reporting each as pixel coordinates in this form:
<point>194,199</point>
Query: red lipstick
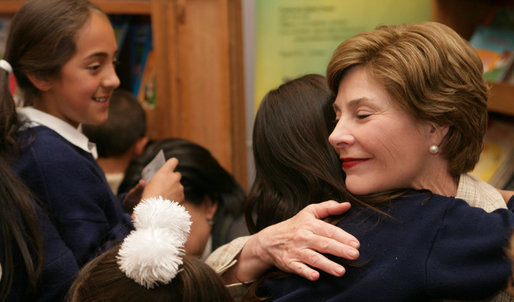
<point>349,162</point>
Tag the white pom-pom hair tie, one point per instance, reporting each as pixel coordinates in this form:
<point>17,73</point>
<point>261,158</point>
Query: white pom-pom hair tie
<point>152,253</point>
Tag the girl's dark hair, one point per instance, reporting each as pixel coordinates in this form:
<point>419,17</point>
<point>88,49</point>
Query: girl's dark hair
<point>19,233</point>
<point>295,164</point>
<point>41,40</point>
<point>102,280</point>
<point>202,176</point>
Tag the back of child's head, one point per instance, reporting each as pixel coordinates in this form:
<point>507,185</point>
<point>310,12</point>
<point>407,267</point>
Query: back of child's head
<point>295,164</point>
<point>125,125</point>
<point>102,280</point>
<point>41,40</point>
<point>150,264</point>
<point>202,175</point>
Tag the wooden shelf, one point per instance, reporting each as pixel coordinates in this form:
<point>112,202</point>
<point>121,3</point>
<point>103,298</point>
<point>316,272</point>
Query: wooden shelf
<point>464,16</point>
<point>502,98</point>
<point>134,7</point>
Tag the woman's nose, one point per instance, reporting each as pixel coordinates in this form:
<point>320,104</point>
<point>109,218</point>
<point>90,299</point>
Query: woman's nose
<point>340,136</point>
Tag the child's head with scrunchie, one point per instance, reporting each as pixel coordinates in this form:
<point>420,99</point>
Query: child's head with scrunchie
<point>150,264</point>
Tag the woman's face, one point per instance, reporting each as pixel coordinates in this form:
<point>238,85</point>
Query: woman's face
<point>381,147</point>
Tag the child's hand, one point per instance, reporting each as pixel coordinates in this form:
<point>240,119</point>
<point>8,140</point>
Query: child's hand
<point>165,183</point>
<point>133,197</point>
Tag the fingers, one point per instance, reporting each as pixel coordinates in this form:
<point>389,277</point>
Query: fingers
<point>166,183</point>
<point>327,208</point>
<point>304,271</point>
<point>315,260</point>
<point>333,237</point>
<point>170,164</point>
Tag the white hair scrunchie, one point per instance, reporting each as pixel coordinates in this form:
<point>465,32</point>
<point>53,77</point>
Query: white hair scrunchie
<point>152,253</point>
<point>6,66</point>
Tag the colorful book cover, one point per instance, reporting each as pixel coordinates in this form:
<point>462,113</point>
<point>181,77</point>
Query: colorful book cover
<point>495,46</point>
<point>147,89</point>
<point>140,47</point>
<point>496,164</point>
<point>120,24</point>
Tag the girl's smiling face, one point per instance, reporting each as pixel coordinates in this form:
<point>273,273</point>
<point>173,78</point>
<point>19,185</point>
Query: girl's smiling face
<point>80,95</point>
<point>381,146</point>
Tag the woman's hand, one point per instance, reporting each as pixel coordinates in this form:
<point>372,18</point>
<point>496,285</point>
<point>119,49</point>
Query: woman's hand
<point>296,245</point>
<point>165,183</point>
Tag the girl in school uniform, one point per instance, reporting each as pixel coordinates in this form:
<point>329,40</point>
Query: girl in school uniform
<point>63,55</point>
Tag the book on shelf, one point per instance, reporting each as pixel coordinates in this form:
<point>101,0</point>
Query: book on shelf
<point>147,88</point>
<point>494,42</point>
<point>140,46</point>
<point>501,16</point>
<point>495,46</point>
<point>120,24</point>
<point>496,163</point>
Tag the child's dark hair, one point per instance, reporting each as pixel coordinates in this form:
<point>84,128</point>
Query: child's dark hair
<point>202,176</point>
<point>19,232</point>
<point>102,280</point>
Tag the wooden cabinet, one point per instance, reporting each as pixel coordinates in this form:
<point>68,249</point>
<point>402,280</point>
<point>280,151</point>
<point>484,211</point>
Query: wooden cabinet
<point>198,47</point>
<point>464,16</point>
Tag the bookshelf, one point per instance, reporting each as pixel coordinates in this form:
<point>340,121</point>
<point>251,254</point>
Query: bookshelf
<point>199,77</point>
<point>496,162</point>
<point>464,16</point>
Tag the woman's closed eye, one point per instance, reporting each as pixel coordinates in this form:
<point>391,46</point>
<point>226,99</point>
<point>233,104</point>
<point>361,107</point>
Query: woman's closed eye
<point>362,114</point>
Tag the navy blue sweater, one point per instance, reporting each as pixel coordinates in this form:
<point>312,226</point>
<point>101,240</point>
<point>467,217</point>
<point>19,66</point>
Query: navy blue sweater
<point>69,182</point>
<point>59,267</point>
<point>432,249</point>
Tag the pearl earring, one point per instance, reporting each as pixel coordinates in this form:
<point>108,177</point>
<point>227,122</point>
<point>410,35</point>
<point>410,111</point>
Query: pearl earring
<point>434,149</point>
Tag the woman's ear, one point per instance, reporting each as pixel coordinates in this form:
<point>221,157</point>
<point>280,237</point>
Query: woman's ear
<point>40,83</point>
<point>438,134</point>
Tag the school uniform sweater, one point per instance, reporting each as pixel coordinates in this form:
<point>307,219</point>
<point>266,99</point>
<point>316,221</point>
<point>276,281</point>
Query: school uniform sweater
<point>69,182</point>
<point>432,248</point>
<point>59,267</point>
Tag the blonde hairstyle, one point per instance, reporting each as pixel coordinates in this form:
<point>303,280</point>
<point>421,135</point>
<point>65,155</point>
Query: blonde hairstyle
<point>432,74</point>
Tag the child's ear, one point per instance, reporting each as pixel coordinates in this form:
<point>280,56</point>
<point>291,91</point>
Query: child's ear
<point>211,208</point>
<point>140,144</point>
<point>41,83</point>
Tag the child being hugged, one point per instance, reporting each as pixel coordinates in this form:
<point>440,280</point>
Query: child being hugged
<point>63,55</point>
